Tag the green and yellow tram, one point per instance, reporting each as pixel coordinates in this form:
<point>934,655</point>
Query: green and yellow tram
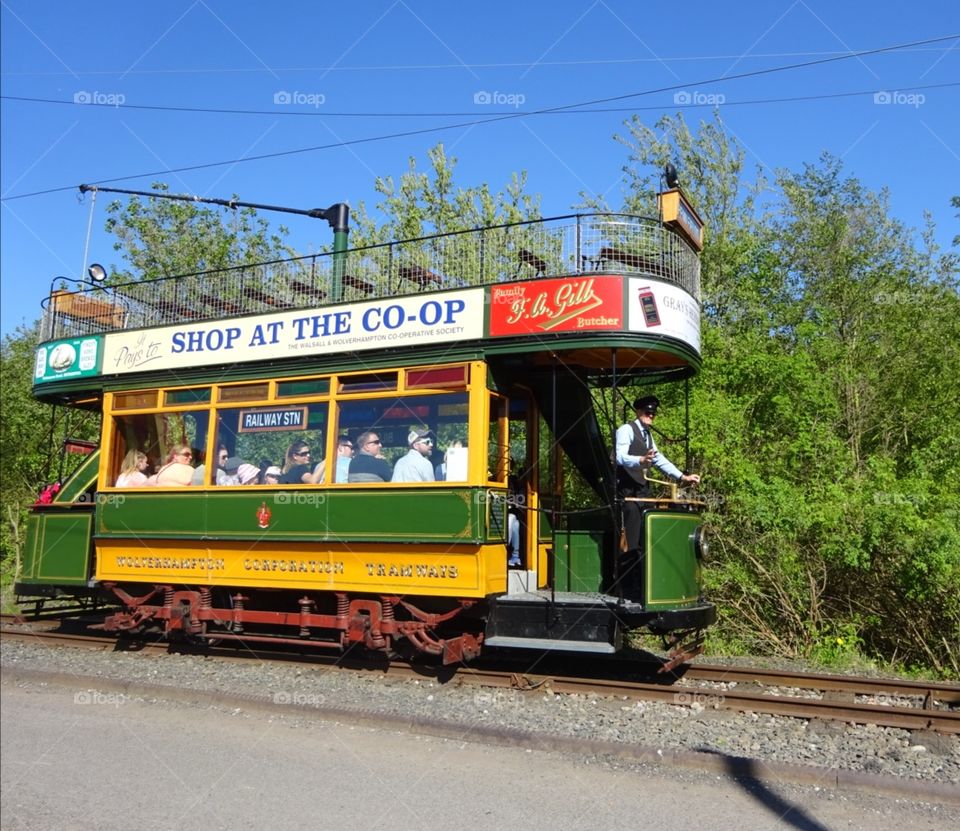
<point>491,348</point>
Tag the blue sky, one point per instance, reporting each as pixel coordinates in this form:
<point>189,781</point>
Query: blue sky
<point>459,63</point>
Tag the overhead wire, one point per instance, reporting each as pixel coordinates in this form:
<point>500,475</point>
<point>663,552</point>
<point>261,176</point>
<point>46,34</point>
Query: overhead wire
<point>505,116</point>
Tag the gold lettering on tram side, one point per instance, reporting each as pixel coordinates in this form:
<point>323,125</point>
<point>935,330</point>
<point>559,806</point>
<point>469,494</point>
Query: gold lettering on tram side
<point>418,570</point>
<point>173,563</point>
<point>293,566</point>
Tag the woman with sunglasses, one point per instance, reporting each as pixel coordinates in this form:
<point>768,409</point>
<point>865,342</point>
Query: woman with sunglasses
<point>177,472</point>
<point>297,469</point>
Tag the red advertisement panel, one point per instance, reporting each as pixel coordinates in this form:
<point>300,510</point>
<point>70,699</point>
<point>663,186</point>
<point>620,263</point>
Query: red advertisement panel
<point>569,304</point>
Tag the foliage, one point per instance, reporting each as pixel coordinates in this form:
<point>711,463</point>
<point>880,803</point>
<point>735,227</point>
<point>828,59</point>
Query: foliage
<point>29,455</point>
<point>828,420</point>
<point>162,237</point>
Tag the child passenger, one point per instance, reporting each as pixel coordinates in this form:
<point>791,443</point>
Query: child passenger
<point>132,470</point>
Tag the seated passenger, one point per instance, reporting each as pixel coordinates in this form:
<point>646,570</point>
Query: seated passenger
<point>440,471</point>
<point>269,473</point>
<point>177,472</point>
<point>248,474</point>
<point>200,474</point>
<point>296,465</point>
<point>415,466</point>
<point>132,470</point>
<point>341,470</point>
<point>229,474</point>
<point>369,465</point>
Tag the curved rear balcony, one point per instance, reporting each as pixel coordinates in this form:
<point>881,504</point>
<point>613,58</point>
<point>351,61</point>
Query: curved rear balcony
<point>556,247</point>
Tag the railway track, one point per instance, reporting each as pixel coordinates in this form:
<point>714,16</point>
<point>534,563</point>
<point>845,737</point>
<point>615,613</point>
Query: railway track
<point>910,705</point>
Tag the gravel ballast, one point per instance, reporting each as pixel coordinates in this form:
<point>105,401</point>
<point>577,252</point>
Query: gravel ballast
<point>663,727</point>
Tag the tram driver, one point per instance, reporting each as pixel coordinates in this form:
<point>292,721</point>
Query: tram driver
<point>636,453</point>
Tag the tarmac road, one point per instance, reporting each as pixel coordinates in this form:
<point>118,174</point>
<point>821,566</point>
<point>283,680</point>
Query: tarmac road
<point>78,759</point>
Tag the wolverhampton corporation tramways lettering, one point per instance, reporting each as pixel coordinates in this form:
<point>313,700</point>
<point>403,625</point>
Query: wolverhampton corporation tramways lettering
<point>418,570</point>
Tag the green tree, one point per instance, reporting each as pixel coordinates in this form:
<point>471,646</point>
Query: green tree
<point>162,237</point>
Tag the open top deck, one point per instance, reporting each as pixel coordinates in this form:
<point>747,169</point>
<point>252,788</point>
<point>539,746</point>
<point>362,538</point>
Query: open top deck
<point>571,282</point>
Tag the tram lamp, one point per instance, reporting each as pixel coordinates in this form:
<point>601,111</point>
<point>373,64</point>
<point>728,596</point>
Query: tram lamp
<point>670,175</point>
<point>97,273</point>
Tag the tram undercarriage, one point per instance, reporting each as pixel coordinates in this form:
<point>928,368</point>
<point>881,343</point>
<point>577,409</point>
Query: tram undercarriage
<point>564,622</point>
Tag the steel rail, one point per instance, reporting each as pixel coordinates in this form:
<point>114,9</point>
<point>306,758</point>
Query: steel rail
<point>911,718</point>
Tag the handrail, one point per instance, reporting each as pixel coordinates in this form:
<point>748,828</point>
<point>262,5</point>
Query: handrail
<point>567,245</point>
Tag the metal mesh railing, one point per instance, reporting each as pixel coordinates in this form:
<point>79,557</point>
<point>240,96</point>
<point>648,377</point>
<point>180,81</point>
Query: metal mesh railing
<point>560,246</point>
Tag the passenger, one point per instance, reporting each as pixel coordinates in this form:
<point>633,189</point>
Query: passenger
<point>248,474</point>
<point>229,474</point>
<point>178,470</point>
<point>269,473</point>
<point>344,457</point>
<point>636,453</point>
<point>369,465</point>
<point>296,465</point>
<point>515,500</point>
<point>132,470</point>
<point>415,466</point>
<point>345,451</point>
<point>200,474</point>
<point>440,471</point>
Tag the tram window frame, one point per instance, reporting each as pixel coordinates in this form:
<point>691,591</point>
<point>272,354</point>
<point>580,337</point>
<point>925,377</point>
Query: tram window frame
<point>451,389</point>
<point>150,440</point>
<point>393,431</point>
<point>315,436</point>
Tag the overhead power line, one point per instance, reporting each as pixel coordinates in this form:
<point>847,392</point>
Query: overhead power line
<point>505,117</point>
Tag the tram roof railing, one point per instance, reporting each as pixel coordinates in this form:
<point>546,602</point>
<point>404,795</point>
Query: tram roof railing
<point>559,246</point>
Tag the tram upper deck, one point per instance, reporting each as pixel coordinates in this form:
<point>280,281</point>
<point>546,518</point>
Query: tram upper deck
<point>574,283</point>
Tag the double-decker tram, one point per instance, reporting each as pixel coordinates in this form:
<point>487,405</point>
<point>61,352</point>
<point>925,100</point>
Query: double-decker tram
<point>395,446</point>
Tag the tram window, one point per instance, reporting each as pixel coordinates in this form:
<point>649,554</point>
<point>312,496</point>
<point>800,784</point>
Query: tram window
<point>135,400</point>
<point>310,386</point>
<point>197,395</point>
<point>497,449</point>
<point>446,414</point>
<point>156,435</point>
<point>441,376</point>
<point>263,434</point>
<point>369,382</point>
<point>244,392</point>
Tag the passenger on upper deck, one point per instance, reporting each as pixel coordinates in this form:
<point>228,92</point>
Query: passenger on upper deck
<point>178,471</point>
<point>369,465</point>
<point>220,475</point>
<point>345,451</point>
<point>269,473</point>
<point>132,470</point>
<point>415,466</point>
<point>296,465</point>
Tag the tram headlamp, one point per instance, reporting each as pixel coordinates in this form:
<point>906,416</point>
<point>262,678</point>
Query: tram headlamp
<point>97,273</point>
<point>701,545</point>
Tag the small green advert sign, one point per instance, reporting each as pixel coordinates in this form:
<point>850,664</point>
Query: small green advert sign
<point>74,358</point>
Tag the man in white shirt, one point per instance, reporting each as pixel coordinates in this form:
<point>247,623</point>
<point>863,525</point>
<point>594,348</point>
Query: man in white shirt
<point>636,453</point>
<point>415,466</point>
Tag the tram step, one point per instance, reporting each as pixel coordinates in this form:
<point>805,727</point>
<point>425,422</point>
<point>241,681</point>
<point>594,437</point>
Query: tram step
<point>511,642</point>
